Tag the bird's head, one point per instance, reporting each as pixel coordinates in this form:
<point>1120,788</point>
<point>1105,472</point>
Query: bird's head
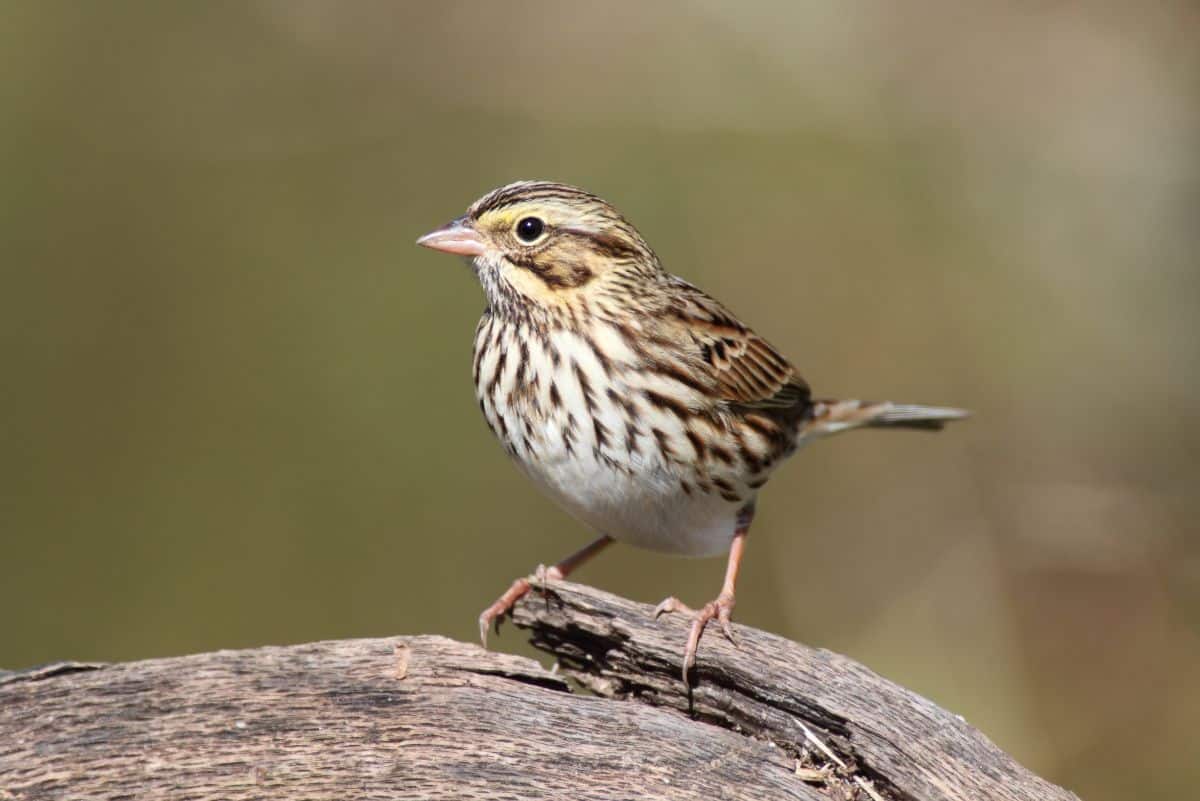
<point>537,245</point>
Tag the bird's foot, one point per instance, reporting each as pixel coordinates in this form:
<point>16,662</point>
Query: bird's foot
<point>721,609</point>
<point>492,616</point>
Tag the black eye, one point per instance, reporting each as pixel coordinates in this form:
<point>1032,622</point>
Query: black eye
<point>529,229</point>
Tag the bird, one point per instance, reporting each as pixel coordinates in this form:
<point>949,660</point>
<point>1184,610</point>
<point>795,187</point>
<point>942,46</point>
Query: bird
<point>638,403</point>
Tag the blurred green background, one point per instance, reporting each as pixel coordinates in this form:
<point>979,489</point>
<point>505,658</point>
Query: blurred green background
<point>236,399</point>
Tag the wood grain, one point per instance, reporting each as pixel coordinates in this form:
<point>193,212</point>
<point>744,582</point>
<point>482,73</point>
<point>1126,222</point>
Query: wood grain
<point>430,718</point>
<point>780,692</point>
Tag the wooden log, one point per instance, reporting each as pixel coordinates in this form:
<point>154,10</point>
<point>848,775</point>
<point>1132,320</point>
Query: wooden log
<point>430,718</point>
<point>832,714</point>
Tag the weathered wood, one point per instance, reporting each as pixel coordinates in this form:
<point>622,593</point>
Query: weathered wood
<point>783,693</point>
<point>430,718</point>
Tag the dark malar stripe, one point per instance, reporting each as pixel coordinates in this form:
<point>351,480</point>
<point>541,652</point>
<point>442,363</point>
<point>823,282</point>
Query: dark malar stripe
<point>574,273</point>
<point>546,271</point>
<point>553,280</point>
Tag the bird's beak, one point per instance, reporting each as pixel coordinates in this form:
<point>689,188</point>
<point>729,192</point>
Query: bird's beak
<point>456,237</point>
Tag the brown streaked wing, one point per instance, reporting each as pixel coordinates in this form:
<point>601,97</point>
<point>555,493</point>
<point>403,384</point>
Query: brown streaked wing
<point>749,373</point>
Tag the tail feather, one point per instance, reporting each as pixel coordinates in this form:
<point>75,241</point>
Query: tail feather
<point>832,416</point>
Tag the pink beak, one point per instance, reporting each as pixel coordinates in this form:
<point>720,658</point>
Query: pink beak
<point>455,237</point>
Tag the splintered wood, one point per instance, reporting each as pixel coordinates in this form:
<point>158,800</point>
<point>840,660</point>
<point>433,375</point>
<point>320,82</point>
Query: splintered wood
<point>430,718</point>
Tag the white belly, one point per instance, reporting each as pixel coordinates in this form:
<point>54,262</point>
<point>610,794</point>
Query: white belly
<point>643,504</point>
<point>589,440</point>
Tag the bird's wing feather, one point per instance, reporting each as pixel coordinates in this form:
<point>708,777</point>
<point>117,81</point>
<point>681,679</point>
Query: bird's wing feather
<point>749,374</point>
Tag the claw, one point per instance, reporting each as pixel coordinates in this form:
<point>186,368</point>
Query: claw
<point>721,609</point>
<point>486,622</point>
<point>496,612</point>
<point>541,578</point>
<point>671,605</point>
<point>489,620</point>
<point>723,615</point>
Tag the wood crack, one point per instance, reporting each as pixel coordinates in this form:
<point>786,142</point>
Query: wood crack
<point>836,718</point>
<point>429,718</point>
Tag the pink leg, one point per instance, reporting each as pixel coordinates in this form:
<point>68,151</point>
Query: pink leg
<point>496,612</point>
<point>721,608</point>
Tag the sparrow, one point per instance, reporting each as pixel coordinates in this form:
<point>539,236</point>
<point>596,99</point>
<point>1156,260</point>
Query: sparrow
<point>641,405</point>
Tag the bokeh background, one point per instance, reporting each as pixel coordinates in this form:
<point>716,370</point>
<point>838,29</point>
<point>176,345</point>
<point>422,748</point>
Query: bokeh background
<point>236,405</point>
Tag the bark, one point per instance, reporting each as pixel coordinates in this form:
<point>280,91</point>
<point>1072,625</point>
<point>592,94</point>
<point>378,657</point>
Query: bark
<point>428,718</point>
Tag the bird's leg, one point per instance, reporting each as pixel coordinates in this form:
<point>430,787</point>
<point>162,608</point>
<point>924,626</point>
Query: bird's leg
<point>722,607</point>
<point>496,612</point>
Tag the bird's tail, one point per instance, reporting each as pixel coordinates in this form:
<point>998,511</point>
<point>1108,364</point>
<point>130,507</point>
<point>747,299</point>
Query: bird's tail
<point>833,416</point>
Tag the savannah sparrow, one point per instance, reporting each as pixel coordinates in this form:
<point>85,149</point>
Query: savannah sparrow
<point>637,402</point>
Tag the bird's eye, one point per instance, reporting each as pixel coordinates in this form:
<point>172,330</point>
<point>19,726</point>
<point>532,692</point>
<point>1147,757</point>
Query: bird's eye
<point>529,229</point>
